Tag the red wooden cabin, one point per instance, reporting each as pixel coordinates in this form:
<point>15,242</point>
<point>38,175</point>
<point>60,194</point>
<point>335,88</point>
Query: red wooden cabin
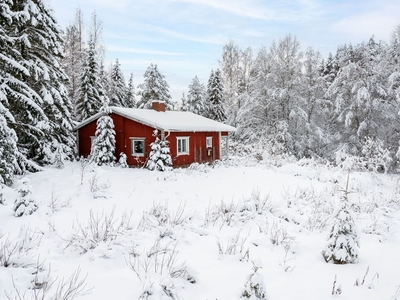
<point>192,138</point>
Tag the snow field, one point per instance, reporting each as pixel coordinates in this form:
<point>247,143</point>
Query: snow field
<point>120,227</point>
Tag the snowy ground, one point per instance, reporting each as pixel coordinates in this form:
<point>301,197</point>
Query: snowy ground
<point>194,233</point>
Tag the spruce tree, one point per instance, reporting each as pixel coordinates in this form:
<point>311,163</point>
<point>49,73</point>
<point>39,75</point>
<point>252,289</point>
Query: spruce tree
<point>196,97</point>
<point>104,145</point>
<point>154,88</point>
<point>91,90</point>
<point>160,157</point>
<point>118,89</point>
<point>343,244</point>
<point>130,100</point>
<point>38,100</point>
<point>25,204</point>
<point>215,97</point>
<point>8,152</point>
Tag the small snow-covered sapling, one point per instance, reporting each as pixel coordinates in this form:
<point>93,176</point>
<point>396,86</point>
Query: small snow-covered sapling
<point>25,204</point>
<point>255,288</point>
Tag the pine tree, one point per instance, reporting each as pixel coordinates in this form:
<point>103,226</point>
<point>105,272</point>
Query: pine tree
<point>184,101</point>
<point>104,145</point>
<point>160,157</point>
<point>25,204</point>
<point>38,100</point>
<point>1,195</point>
<point>118,91</point>
<point>130,100</point>
<point>196,97</point>
<point>91,89</point>
<point>343,244</point>
<point>154,88</point>
<point>215,97</point>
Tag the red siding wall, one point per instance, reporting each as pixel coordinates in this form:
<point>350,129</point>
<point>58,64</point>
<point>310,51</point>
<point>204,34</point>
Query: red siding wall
<point>126,129</point>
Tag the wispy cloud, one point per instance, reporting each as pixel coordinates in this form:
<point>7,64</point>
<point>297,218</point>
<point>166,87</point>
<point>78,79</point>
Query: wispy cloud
<point>113,48</point>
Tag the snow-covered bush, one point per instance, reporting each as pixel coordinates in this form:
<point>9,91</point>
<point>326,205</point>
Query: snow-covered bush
<point>123,160</point>
<point>58,159</point>
<point>103,149</point>
<point>343,244</point>
<point>160,157</point>
<point>254,288</point>
<point>376,158</point>
<point>25,204</point>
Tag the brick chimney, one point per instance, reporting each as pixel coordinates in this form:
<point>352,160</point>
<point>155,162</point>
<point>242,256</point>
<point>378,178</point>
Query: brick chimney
<point>158,105</point>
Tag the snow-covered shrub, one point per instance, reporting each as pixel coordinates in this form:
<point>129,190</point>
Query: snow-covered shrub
<point>123,160</point>
<point>58,159</point>
<point>343,244</point>
<point>103,149</point>
<point>254,288</point>
<point>160,157</point>
<point>376,158</point>
<point>25,204</point>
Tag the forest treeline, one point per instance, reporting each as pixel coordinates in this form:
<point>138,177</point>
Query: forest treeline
<point>298,102</point>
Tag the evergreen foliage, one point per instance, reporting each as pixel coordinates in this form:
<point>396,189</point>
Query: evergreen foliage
<point>343,244</point>
<point>214,105</point>
<point>34,83</point>
<point>118,91</point>
<point>91,91</point>
<point>1,195</point>
<point>8,152</point>
<point>103,149</point>
<point>154,88</point>
<point>25,204</point>
<point>160,157</point>
<point>130,100</point>
<point>123,160</point>
<point>196,97</point>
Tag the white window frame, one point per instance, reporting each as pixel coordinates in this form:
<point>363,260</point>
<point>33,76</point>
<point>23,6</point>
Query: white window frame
<point>209,141</point>
<point>137,139</point>
<point>180,139</point>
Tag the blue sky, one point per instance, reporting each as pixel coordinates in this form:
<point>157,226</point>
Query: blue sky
<point>185,37</point>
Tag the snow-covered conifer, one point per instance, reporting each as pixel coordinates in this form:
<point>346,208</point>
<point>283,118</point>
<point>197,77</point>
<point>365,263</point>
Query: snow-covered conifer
<point>196,97</point>
<point>184,105</point>
<point>123,160</point>
<point>254,288</point>
<point>103,149</point>
<point>25,204</point>
<point>130,100</point>
<point>344,242</point>
<point>91,91</point>
<point>8,151</point>
<point>58,159</point>
<point>160,157</point>
<point>215,97</point>
<point>117,89</point>
<point>37,97</point>
<point>154,88</point>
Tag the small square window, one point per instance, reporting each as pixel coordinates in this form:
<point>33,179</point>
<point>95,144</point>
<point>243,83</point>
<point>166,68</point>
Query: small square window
<point>209,141</point>
<point>137,146</point>
<point>182,145</point>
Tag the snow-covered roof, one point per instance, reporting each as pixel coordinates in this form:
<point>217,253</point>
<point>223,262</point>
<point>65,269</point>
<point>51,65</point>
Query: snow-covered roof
<point>168,120</point>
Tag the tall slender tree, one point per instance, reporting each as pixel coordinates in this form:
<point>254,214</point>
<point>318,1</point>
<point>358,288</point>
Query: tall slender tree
<point>215,109</point>
<point>130,99</point>
<point>118,89</point>
<point>91,93</point>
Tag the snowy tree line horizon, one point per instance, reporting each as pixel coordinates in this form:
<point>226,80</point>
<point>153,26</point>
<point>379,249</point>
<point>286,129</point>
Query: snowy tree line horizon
<point>295,102</point>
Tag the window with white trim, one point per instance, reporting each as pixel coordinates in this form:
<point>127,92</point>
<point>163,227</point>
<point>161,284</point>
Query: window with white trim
<point>182,145</point>
<point>209,141</point>
<point>137,146</point>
